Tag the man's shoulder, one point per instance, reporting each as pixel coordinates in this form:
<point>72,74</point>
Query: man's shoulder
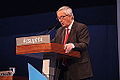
<point>79,25</point>
<point>61,27</point>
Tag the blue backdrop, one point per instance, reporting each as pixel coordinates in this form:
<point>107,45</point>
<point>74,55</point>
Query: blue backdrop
<point>103,51</point>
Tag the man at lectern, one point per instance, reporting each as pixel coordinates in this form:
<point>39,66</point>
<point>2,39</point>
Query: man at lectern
<point>74,36</point>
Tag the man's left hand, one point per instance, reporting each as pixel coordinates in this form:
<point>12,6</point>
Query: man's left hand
<point>68,47</point>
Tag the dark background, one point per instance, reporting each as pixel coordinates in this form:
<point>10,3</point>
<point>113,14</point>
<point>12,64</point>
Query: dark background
<point>25,7</point>
<point>26,18</point>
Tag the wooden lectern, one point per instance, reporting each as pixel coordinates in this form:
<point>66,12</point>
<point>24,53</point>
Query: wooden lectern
<point>45,47</point>
<point>40,44</point>
<point>26,45</point>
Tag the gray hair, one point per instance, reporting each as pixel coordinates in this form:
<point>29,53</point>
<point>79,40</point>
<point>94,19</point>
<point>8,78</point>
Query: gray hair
<point>66,9</point>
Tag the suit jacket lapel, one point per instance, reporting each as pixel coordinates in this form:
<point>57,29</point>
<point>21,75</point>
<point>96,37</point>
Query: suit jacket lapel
<point>71,33</point>
<point>63,35</point>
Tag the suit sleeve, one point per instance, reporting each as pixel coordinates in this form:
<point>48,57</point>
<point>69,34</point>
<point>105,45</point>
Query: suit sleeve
<point>82,38</point>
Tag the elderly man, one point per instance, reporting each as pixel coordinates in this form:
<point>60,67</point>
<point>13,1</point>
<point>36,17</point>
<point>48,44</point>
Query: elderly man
<point>74,36</point>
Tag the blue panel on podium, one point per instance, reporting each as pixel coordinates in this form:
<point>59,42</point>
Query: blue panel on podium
<point>34,74</point>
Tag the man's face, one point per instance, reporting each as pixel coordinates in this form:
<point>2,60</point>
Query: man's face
<point>64,19</point>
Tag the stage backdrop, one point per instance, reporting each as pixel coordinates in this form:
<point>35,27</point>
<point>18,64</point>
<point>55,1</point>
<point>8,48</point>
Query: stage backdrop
<point>118,25</point>
<point>103,50</point>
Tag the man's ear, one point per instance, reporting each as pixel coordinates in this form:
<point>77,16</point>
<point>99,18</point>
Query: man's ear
<point>72,17</point>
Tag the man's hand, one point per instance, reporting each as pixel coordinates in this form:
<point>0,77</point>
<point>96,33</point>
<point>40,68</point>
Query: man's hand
<point>68,47</point>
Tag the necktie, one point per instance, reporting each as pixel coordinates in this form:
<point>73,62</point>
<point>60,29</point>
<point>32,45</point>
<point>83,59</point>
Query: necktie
<point>66,36</point>
<point>64,61</point>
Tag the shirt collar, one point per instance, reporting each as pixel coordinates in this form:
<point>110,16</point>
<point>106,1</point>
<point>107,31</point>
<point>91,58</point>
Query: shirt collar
<point>70,26</point>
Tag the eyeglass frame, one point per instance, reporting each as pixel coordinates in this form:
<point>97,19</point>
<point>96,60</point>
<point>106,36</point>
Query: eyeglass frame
<point>61,17</point>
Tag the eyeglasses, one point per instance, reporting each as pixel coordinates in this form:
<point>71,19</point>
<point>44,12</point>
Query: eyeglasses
<point>61,17</point>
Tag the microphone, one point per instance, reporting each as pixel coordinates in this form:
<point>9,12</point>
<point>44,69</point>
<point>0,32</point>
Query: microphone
<point>50,29</point>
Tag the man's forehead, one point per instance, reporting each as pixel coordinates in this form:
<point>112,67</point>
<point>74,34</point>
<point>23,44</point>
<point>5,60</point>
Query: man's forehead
<point>62,12</point>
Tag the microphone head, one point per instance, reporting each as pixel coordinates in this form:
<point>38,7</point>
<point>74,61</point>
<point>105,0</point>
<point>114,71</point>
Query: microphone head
<point>55,26</point>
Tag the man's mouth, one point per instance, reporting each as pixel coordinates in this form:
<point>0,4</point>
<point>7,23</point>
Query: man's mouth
<point>62,23</point>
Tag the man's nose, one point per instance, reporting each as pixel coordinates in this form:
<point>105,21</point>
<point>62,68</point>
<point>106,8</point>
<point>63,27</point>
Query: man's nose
<point>60,20</point>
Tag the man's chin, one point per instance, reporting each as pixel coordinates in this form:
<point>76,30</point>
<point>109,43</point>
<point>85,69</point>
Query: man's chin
<point>63,25</point>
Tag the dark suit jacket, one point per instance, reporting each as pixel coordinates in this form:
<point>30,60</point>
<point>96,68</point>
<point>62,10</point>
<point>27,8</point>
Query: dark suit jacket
<point>79,36</point>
